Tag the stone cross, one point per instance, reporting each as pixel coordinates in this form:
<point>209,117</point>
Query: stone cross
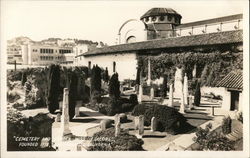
<point>153,124</point>
<point>136,121</point>
<point>149,72</point>
<point>141,126</point>
<point>65,114</point>
<point>117,129</point>
<point>140,94</point>
<point>152,93</point>
<point>185,89</point>
<point>170,103</point>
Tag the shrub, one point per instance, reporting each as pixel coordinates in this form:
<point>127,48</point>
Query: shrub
<point>226,125</point>
<point>169,119</point>
<point>133,99</point>
<point>114,86</point>
<point>164,86</point>
<point>127,107</point>
<point>207,140</point>
<point>95,79</point>
<point>197,95</point>
<point>72,94</point>
<point>54,88</point>
<point>124,142</point>
<point>12,96</point>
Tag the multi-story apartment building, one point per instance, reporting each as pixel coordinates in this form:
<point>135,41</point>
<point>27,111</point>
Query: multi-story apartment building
<point>36,54</point>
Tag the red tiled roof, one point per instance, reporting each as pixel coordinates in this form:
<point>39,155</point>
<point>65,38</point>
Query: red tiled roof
<point>233,80</point>
<point>225,37</point>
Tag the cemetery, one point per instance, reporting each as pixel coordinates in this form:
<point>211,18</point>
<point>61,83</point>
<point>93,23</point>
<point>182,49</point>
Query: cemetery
<point>70,104</point>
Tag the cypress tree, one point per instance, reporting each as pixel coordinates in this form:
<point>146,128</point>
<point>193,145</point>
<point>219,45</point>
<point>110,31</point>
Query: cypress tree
<point>54,88</point>
<point>197,95</point>
<point>114,86</point>
<point>24,77</point>
<point>72,94</point>
<point>137,81</point>
<point>164,86</point>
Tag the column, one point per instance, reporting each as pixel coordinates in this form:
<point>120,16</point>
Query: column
<point>65,114</point>
<point>182,106</point>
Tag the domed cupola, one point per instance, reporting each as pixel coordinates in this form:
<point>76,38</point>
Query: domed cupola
<point>161,22</point>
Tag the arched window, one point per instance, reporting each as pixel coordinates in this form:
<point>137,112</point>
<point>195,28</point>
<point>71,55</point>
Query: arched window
<point>131,39</point>
<point>162,18</point>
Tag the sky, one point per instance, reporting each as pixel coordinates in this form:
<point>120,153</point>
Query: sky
<point>96,20</point>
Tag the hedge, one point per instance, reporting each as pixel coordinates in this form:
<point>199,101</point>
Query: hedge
<point>106,141</point>
<point>169,119</point>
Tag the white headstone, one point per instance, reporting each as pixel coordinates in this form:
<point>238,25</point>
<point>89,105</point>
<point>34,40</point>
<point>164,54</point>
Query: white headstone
<point>117,119</point>
<point>141,126</point>
<point>185,89</point>
<point>65,114</point>
<point>153,124</point>
<point>182,106</point>
<point>152,93</point>
<point>178,83</point>
<point>170,103</point>
<point>194,71</point>
<point>140,94</point>
<point>136,122</point>
<point>117,129</point>
<point>190,102</point>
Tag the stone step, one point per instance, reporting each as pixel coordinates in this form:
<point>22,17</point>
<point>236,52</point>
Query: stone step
<point>231,137</point>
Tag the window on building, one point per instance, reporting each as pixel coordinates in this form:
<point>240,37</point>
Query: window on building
<point>162,18</point>
<point>114,66</point>
<point>170,17</point>
<point>89,64</point>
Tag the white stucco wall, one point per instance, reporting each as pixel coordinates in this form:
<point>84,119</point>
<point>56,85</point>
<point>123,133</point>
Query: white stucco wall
<point>126,64</point>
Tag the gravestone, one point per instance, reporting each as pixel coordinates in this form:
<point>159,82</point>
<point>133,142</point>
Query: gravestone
<point>77,108</point>
<point>136,122</point>
<point>117,119</point>
<point>152,93</point>
<point>121,88</point>
<point>58,117</point>
<point>103,125</point>
<point>170,103</point>
<point>190,102</point>
<point>117,129</point>
<point>178,83</point>
<point>153,124</point>
<point>182,106</point>
<point>140,94</point>
<point>185,89</point>
<point>141,126</point>
<point>65,114</point>
<point>79,147</point>
<point>194,71</point>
